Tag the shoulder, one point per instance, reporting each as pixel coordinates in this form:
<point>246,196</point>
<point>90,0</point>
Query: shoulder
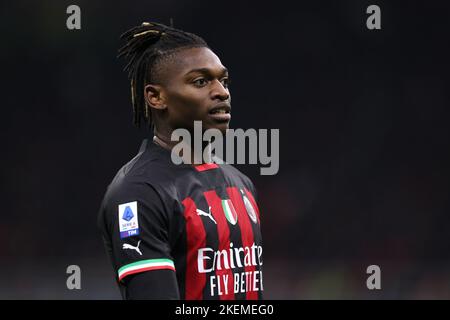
<point>235,174</point>
<point>146,178</point>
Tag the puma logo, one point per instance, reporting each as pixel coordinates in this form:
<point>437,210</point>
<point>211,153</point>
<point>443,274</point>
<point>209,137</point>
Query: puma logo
<point>129,246</point>
<point>203,213</point>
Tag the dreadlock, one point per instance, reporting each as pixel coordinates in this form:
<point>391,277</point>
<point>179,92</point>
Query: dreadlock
<point>146,46</point>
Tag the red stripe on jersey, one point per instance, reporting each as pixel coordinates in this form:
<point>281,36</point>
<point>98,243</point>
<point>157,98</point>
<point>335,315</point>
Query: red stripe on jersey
<point>224,242</point>
<point>206,166</point>
<point>252,200</point>
<point>196,239</point>
<point>246,232</point>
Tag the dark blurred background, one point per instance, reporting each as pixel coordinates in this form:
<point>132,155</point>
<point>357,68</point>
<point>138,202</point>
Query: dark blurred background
<point>364,140</point>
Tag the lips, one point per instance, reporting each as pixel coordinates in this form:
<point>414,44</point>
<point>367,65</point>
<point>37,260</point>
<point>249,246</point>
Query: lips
<point>221,112</point>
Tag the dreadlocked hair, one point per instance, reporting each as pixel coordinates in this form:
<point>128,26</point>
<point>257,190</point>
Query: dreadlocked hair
<point>146,46</point>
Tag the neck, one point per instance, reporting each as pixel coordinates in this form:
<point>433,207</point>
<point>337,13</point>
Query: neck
<point>165,142</point>
<point>162,141</point>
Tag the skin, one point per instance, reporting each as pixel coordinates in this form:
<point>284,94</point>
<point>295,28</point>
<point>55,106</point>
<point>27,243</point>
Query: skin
<point>193,81</point>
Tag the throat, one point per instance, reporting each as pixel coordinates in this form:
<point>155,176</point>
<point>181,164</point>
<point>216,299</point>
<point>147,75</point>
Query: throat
<point>204,154</point>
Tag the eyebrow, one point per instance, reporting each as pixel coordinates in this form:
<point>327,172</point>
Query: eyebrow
<point>207,71</point>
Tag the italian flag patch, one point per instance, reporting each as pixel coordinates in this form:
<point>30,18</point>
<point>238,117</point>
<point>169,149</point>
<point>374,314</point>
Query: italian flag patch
<point>145,265</point>
<point>230,212</point>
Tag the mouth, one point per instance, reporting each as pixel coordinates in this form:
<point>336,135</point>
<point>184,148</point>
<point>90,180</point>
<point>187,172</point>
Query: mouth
<point>221,112</point>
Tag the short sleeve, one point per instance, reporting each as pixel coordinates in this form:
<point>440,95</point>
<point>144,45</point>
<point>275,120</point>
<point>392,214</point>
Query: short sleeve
<point>136,224</point>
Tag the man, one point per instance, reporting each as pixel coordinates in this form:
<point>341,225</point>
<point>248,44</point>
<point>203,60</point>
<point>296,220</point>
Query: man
<point>180,231</point>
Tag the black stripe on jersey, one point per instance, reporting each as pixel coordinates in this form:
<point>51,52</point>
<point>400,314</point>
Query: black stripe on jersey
<point>181,262</point>
<point>258,239</point>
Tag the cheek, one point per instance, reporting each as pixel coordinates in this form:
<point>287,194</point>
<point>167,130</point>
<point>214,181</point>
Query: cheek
<point>189,103</point>
<point>186,107</point>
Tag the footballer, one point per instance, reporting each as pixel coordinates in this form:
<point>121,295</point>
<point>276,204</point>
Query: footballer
<point>180,231</point>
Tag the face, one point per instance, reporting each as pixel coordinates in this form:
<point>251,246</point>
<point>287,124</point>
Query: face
<point>195,88</point>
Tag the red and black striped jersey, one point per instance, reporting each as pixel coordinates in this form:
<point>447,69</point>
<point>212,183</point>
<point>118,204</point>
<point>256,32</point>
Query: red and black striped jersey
<point>200,222</point>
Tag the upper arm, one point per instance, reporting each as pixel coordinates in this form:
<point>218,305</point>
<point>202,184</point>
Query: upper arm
<point>136,220</point>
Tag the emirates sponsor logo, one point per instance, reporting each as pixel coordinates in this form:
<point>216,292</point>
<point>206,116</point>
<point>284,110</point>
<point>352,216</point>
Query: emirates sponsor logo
<point>229,259</point>
<point>220,283</point>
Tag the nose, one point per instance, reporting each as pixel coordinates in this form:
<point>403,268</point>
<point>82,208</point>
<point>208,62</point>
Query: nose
<point>219,91</point>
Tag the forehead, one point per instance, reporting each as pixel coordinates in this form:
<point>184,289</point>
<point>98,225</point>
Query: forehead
<point>193,58</point>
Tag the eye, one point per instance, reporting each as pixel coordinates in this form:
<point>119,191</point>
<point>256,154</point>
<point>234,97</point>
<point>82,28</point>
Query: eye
<point>225,82</point>
<point>200,82</point>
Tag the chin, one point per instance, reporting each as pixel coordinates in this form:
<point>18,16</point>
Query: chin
<point>222,127</point>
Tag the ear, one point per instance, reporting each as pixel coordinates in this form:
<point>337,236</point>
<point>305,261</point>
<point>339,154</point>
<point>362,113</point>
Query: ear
<point>154,96</point>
